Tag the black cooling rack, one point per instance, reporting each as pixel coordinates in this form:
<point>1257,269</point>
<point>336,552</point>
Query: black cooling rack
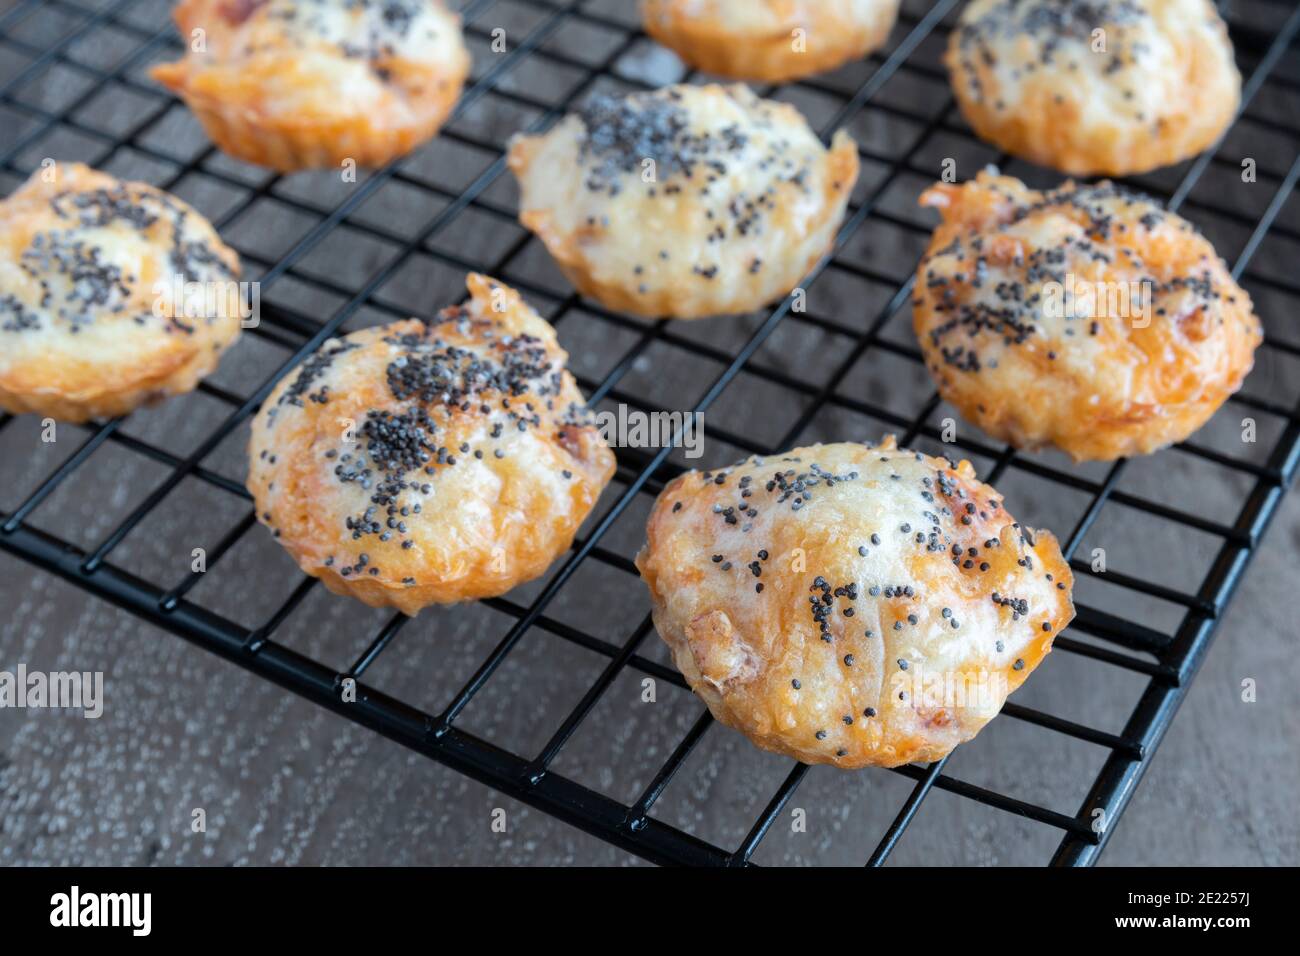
<point>1264,33</point>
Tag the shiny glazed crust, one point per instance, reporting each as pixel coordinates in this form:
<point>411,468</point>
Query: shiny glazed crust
<point>1030,77</point>
<point>685,202</point>
<point>296,85</point>
<point>1085,317</point>
<point>755,39</point>
<point>431,462</point>
<point>112,294</point>
<point>849,604</point>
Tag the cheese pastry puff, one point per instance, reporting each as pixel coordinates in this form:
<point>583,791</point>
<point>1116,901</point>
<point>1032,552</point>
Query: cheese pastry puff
<point>1085,317</point>
<point>300,84</point>
<point>769,41</point>
<point>429,462</point>
<point>684,202</point>
<point>851,605</point>
<point>113,294</point>
<point>1095,87</point>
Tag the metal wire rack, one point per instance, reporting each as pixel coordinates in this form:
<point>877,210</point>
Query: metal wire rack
<point>1264,32</point>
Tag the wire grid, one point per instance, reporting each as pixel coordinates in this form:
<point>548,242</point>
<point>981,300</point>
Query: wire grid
<point>1167,661</point>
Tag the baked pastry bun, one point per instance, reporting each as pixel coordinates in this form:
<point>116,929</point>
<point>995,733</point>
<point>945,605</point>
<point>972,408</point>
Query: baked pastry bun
<point>849,604</point>
<point>769,40</point>
<point>300,84</point>
<point>428,462</point>
<point>684,202</point>
<point>1095,87</point>
<point>1085,317</point>
<point>112,294</point>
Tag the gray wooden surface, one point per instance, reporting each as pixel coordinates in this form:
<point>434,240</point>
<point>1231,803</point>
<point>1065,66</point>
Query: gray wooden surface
<point>284,782</point>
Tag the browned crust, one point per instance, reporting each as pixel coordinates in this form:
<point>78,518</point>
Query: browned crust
<point>738,650</point>
<point>230,104</point>
<point>667,301</point>
<point>79,387</point>
<point>1112,425</point>
<point>706,44</point>
<point>521,537</point>
<point>1048,131</point>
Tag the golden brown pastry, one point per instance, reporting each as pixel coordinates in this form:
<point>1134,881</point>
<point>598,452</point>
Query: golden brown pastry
<point>849,604</point>
<point>430,462</point>
<point>685,202</point>
<point>1085,317</point>
<point>769,40</point>
<point>1108,87</point>
<point>112,294</point>
<point>298,84</point>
